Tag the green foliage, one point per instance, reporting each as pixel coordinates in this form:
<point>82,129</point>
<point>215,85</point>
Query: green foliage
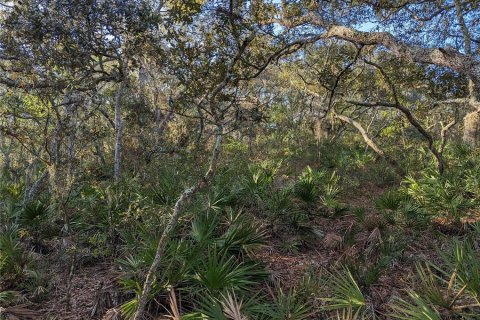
<point>442,196</point>
<point>360,214</point>
<point>220,272</point>
<point>451,286</point>
<point>289,306</point>
<point>379,254</point>
<point>257,184</point>
<point>242,236</point>
<point>418,309</point>
<point>211,261</point>
<point>431,289</point>
<point>165,191</point>
<point>170,72</point>
<point>291,245</point>
<point>204,227</point>
<point>279,202</point>
<point>315,186</point>
<point>230,306</point>
<point>307,186</point>
<point>399,209</point>
<point>183,11</point>
<point>34,213</point>
<point>14,259</point>
<point>235,147</point>
<point>345,292</point>
<point>7,296</point>
<point>462,259</point>
<point>389,200</point>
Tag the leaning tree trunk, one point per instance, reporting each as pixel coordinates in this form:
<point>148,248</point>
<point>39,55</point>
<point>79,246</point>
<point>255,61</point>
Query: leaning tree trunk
<point>186,195</point>
<point>369,141</point>
<point>471,130</point>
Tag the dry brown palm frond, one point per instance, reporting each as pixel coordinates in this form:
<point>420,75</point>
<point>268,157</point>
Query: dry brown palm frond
<point>112,314</point>
<point>19,312</point>
<point>375,236</point>
<point>103,301</point>
<point>349,254</point>
<point>175,310</point>
<point>348,314</point>
<point>232,307</point>
<point>332,240</point>
<point>373,240</point>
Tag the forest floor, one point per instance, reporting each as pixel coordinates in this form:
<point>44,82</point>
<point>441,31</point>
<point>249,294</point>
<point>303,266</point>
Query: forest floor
<point>290,268</point>
<point>86,295</point>
<point>89,290</point>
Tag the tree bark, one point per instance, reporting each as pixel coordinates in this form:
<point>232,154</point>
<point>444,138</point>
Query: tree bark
<point>415,123</point>
<point>186,195</point>
<point>36,188</point>
<point>471,130</point>
<point>118,131</point>
<point>471,125</point>
<point>445,57</point>
<point>72,126</point>
<point>6,153</point>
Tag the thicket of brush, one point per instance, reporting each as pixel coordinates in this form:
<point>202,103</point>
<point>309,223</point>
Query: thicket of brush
<point>211,270</point>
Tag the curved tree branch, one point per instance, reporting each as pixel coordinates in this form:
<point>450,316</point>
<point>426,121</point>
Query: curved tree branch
<point>366,138</point>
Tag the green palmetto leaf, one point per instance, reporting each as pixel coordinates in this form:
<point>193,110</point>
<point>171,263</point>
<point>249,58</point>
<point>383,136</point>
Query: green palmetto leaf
<point>430,287</point>
<point>13,257</point>
<point>128,308</point>
<point>229,305</point>
<point>419,309</point>
<point>203,227</point>
<point>242,236</point>
<point>463,260</point>
<point>441,195</point>
<point>346,292</point>
<point>7,296</point>
<point>306,190</point>
<point>220,271</point>
<point>289,306</point>
<point>33,212</point>
<point>390,200</point>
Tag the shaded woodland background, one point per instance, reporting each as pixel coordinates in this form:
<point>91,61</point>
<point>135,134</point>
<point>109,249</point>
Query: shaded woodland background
<point>232,159</point>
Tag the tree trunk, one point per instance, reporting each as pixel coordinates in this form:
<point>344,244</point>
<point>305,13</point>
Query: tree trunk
<point>6,154</point>
<point>320,130</point>
<point>471,130</point>
<point>186,195</point>
<point>119,131</point>
<point>36,188</point>
<point>99,152</point>
<point>7,149</point>
<point>364,134</point>
<point>72,126</point>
